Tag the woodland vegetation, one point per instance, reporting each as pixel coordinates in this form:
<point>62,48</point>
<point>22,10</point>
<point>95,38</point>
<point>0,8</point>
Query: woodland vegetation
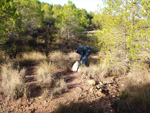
<point>34,33</point>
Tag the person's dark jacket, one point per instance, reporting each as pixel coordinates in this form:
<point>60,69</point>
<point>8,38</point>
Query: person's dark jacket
<point>82,50</point>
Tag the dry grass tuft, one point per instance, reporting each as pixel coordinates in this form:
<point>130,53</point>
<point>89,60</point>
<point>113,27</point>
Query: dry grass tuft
<point>58,88</point>
<point>137,90</point>
<point>73,56</point>
<point>45,72</point>
<point>52,85</point>
<point>33,56</point>
<point>12,81</point>
<point>61,60</point>
<point>138,76</point>
<point>93,71</point>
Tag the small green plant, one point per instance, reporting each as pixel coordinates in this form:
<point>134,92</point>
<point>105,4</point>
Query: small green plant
<point>123,95</point>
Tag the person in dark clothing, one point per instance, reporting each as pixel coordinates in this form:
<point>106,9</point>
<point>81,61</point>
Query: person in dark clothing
<point>84,51</point>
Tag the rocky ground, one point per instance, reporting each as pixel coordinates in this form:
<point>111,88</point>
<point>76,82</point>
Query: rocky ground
<point>79,89</point>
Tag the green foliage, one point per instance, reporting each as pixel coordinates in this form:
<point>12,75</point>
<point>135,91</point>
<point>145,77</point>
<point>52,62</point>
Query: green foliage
<point>48,13</point>
<point>9,20</point>
<point>124,34</point>
<point>56,10</point>
<point>71,21</point>
<point>84,20</point>
<point>32,15</point>
<point>20,18</point>
<point>146,8</point>
<point>97,21</point>
<point>68,21</point>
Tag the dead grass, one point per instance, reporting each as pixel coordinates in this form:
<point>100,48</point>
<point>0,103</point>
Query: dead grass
<point>58,88</point>
<point>137,90</point>
<point>12,81</point>
<point>33,56</point>
<point>138,76</point>
<point>61,60</point>
<point>52,84</point>
<point>93,71</point>
<point>45,72</point>
<point>73,56</point>
<point>3,57</point>
<point>98,69</point>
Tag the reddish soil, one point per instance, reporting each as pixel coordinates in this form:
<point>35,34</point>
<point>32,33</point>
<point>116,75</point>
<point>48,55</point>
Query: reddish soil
<point>78,89</point>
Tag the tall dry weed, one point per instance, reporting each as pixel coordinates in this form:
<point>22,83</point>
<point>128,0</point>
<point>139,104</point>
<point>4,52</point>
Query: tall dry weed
<point>138,76</point>
<point>60,86</point>
<point>137,90</point>
<point>11,81</point>
<point>45,72</point>
<point>61,60</point>
<point>93,71</point>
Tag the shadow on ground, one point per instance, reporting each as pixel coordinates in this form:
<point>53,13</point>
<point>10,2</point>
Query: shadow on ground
<point>79,107</point>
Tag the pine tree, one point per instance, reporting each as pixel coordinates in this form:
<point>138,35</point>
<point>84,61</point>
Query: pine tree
<point>123,23</point>
<point>68,21</point>
<point>32,15</point>
<point>9,20</point>
<point>48,14</point>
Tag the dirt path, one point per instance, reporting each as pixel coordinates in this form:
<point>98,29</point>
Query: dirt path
<point>38,105</point>
<point>75,88</point>
<point>78,89</point>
